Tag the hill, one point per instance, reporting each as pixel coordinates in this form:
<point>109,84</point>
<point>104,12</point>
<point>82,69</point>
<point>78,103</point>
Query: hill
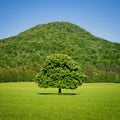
<point>22,56</point>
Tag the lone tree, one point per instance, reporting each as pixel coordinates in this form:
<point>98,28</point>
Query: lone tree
<point>60,71</point>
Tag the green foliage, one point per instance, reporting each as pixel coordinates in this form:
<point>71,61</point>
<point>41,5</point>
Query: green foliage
<point>16,74</point>
<point>60,71</point>
<point>29,49</point>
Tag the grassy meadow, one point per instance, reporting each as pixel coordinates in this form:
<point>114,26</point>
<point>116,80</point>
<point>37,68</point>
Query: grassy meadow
<point>91,101</point>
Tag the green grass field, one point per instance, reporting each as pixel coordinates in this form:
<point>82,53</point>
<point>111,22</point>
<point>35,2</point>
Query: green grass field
<point>91,101</point>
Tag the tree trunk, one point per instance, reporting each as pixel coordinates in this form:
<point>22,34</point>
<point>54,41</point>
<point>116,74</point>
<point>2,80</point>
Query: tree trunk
<point>59,91</point>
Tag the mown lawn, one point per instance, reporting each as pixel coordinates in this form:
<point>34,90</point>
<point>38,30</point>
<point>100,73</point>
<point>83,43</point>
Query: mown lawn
<point>25,101</point>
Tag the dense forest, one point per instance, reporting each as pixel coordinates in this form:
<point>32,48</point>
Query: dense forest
<point>22,56</point>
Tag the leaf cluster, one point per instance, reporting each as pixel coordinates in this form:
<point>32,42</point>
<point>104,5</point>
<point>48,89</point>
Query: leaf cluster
<point>60,71</point>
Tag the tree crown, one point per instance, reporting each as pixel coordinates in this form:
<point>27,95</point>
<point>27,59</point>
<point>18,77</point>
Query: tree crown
<point>60,71</point>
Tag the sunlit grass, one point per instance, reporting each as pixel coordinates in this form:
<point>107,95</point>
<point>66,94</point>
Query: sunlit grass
<point>25,101</point>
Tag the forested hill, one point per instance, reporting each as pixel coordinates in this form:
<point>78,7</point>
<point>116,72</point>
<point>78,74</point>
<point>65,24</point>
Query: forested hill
<point>22,56</point>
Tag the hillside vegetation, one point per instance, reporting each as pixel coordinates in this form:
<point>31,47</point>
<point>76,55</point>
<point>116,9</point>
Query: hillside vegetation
<point>22,56</point>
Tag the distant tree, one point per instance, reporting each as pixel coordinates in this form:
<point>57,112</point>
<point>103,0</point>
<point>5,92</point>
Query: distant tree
<point>60,71</point>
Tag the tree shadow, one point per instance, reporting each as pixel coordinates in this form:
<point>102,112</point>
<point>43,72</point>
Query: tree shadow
<point>58,94</point>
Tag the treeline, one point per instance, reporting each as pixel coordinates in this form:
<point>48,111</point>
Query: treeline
<point>16,74</point>
<point>22,56</point>
<point>23,74</point>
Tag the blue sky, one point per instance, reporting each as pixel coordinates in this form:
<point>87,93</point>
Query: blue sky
<point>99,17</point>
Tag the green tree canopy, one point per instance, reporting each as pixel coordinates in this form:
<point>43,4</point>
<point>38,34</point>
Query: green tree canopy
<point>60,71</point>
